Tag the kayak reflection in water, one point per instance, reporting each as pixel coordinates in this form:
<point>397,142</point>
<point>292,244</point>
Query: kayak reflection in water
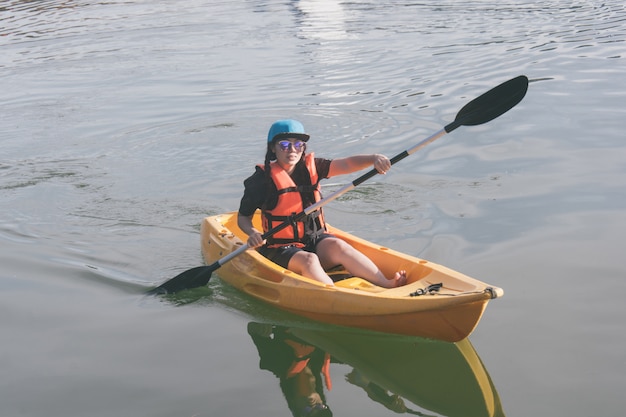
<point>301,368</point>
<point>286,184</point>
<point>377,393</point>
<point>304,369</point>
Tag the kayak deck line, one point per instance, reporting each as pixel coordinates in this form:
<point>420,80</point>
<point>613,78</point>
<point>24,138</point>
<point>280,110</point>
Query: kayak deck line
<point>359,284</point>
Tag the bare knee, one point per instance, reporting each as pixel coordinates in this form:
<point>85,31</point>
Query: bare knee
<point>303,262</point>
<point>332,252</point>
<point>308,264</point>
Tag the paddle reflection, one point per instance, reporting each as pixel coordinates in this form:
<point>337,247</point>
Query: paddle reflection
<point>403,374</point>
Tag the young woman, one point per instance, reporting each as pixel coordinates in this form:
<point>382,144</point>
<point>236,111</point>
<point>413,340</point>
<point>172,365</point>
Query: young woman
<point>288,185</point>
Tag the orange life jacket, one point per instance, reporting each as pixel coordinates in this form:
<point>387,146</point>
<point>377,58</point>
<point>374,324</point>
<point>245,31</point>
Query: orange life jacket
<point>289,203</point>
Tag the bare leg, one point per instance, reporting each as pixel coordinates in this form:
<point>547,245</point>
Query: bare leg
<point>308,265</point>
<point>333,251</point>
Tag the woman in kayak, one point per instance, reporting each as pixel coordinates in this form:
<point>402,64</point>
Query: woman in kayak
<point>286,184</point>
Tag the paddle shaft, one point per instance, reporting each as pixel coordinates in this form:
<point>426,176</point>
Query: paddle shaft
<point>482,109</point>
<point>371,173</point>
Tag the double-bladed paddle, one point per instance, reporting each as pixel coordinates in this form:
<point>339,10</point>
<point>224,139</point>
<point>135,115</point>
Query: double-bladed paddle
<point>482,109</point>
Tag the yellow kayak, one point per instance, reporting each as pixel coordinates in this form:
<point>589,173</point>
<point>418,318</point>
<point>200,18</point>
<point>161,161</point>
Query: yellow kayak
<point>423,307</point>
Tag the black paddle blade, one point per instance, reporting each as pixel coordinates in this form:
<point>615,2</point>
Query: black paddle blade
<point>191,278</point>
<point>492,104</point>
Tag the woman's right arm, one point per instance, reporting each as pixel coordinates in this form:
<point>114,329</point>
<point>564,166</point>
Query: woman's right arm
<point>251,200</point>
<point>255,238</point>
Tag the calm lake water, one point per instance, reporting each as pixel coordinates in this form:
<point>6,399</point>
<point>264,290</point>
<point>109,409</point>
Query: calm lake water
<point>124,122</point>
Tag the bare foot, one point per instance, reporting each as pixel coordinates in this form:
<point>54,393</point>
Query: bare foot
<point>398,280</point>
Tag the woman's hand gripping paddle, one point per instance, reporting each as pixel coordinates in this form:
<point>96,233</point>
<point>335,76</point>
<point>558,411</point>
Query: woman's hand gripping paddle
<point>483,109</point>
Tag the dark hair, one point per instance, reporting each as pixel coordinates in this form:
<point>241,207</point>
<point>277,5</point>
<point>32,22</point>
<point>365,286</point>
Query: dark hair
<point>269,157</point>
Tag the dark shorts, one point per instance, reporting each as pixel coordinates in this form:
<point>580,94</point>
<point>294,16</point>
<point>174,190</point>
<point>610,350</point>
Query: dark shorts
<point>282,255</point>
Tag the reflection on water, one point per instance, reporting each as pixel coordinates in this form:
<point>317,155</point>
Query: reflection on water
<point>322,20</point>
<point>301,368</point>
<point>445,378</point>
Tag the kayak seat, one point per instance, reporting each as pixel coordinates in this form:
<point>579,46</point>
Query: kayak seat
<point>344,279</point>
<point>359,284</point>
<point>338,273</point>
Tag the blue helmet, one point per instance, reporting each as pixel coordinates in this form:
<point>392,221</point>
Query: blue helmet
<point>288,128</point>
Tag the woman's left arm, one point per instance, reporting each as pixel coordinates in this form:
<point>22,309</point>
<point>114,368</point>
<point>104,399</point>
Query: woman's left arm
<point>354,163</point>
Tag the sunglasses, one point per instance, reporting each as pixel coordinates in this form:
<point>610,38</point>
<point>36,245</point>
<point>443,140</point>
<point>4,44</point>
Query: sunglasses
<point>298,145</point>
